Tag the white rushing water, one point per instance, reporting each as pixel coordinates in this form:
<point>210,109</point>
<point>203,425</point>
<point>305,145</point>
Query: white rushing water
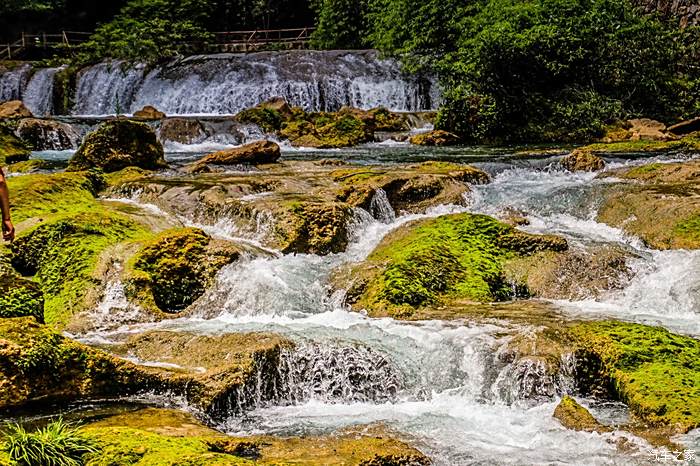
<point>227,83</point>
<point>38,95</point>
<point>447,387</point>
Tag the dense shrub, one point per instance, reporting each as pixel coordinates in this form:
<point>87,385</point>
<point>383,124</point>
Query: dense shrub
<point>56,444</point>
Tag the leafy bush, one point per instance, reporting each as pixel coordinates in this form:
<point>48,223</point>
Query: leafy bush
<point>56,444</point>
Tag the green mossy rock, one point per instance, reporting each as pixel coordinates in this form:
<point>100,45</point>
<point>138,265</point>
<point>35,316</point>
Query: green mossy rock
<point>12,149</point>
<point>38,365</point>
<point>20,297</point>
<point>690,143</point>
<point>575,417</point>
<point>62,254</point>
<point>435,138</point>
<point>162,437</point>
<point>453,257</point>
<point>582,160</point>
<point>268,119</point>
<point>313,227</point>
<point>119,144</point>
<point>175,268</point>
<point>655,372</point>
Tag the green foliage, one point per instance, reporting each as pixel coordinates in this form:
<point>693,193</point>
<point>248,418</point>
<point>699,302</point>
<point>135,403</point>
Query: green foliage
<point>530,70</point>
<point>20,297</point>
<point>340,24</point>
<point>56,444</point>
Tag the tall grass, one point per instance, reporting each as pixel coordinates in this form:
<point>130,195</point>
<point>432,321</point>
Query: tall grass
<point>57,444</point>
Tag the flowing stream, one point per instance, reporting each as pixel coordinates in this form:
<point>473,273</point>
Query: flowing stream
<point>443,386</point>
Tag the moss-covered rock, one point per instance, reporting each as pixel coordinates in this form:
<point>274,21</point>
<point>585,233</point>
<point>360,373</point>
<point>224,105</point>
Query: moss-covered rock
<point>176,267</point>
<point>427,262</point>
<point>38,365</point>
<point>119,144</point>
<point>655,372</point>
<point>315,228</point>
<point>63,252</point>
<point>689,143</point>
<point>663,208</point>
<point>12,149</point>
<point>20,297</point>
<point>28,166</point>
<point>436,137</point>
<point>575,417</point>
<point>582,160</point>
<point>165,437</point>
<point>268,119</point>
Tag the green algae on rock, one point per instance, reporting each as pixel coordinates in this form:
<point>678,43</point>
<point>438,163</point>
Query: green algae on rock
<point>161,437</point>
<point>428,262</point>
<point>176,267</point>
<point>20,297</point>
<point>655,372</point>
<point>575,417</point>
<point>582,160</point>
<point>435,138</point>
<point>118,144</point>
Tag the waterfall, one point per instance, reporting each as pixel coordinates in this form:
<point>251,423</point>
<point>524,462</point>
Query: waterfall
<point>38,96</point>
<point>381,208</point>
<point>228,83</point>
<point>13,82</point>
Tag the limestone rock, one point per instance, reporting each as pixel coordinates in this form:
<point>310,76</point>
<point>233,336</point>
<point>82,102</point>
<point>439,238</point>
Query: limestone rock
<point>259,152</point>
<point>149,113</point>
<point>582,160</point>
<point>14,109</point>
<point>119,144</point>
<point>435,138</point>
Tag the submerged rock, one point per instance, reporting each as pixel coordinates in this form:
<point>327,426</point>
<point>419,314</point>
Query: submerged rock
<point>14,109</point>
<point>575,417</point>
<point>174,269</point>
<point>433,261</point>
<point>119,144</point>
<point>164,437</point>
<point>435,138</point>
<point>582,160</point>
<point>662,207</point>
<point>255,153</point>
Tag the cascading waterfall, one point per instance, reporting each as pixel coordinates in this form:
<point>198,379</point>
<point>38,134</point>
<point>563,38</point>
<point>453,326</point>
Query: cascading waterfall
<point>228,83</point>
<point>38,95</point>
<point>380,207</point>
<point>13,83</point>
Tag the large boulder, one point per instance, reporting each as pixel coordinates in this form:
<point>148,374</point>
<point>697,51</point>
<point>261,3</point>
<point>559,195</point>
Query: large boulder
<point>433,262</point>
<point>47,134</point>
<point>119,144</point>
<point>582,160</point>
<point>149,113</point>
<point>12,149</point>
<point>435,138</point>
<point>14,109</point>
<point>259,152</point>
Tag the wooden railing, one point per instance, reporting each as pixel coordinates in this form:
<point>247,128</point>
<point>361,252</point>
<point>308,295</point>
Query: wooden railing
<point>235,41</point>
<point>41,41</point>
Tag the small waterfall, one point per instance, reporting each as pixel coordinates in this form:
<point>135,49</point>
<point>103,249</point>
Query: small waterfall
<point>381,208</point>
<point>38,96</point>
<point>13,82</point>
<point>228,83</point>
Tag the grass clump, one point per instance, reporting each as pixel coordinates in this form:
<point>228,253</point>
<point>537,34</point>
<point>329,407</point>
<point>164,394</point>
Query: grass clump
<point>56,444</point>
<point>656,372</point>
